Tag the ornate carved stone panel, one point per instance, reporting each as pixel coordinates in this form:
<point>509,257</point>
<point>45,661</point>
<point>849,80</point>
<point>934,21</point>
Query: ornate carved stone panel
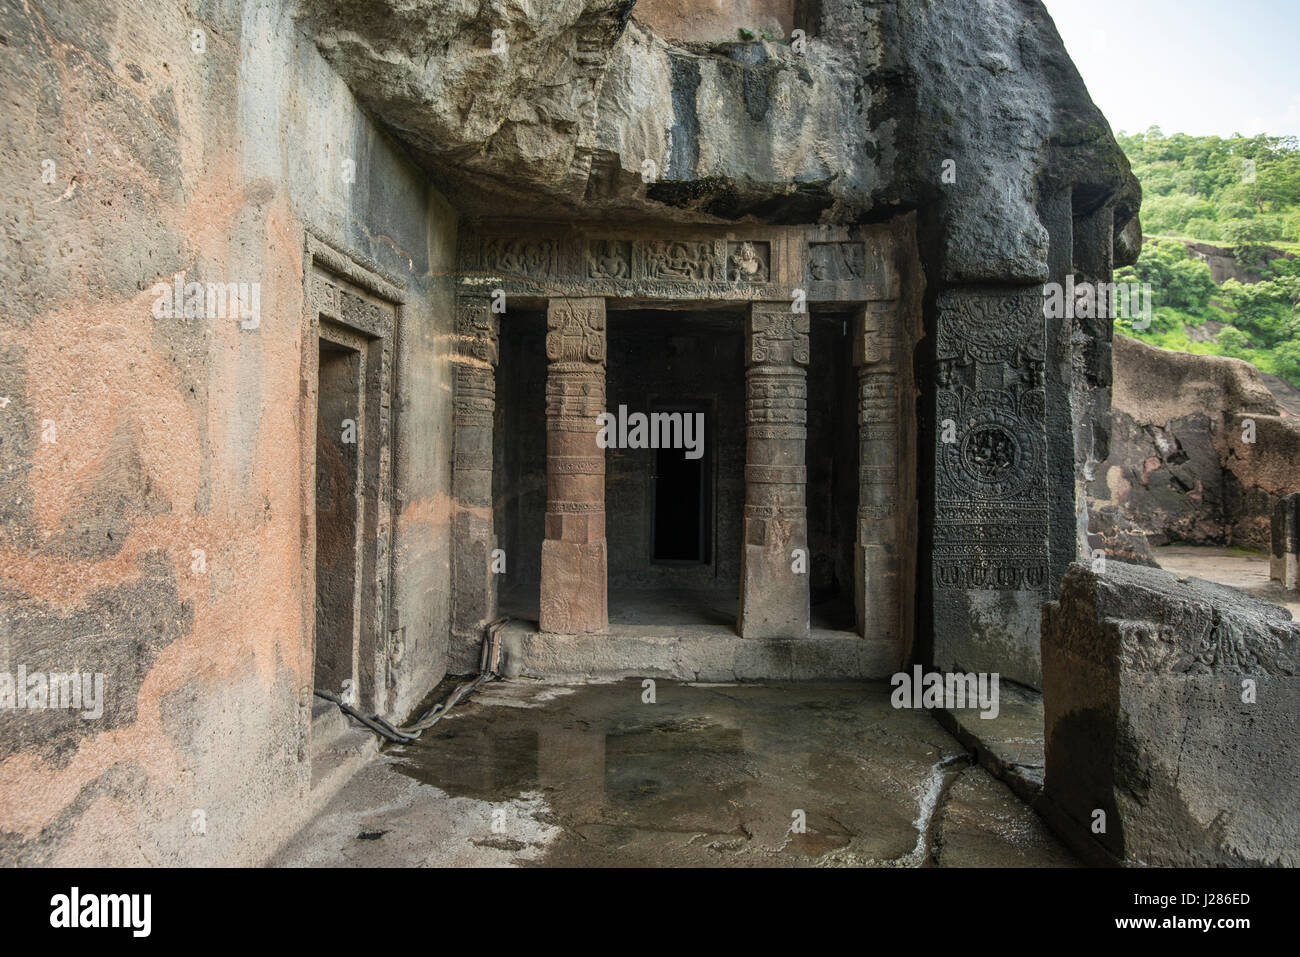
<point>991,494</point>
<point>526,258</point>
<point>836,262</point>
<point>749,261</point>
<point>680,260</point>
<point>609,259</point>
<point>767,263</point>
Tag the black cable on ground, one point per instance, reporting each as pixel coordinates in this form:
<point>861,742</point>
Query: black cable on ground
<point>384,730</point>
<point>488,663</point>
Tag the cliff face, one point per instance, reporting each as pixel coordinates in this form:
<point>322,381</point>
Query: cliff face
<point>968,116</point>
<point>159,471</point>
<point>639,109</point>
<point>1224,264</point>
<point>1200,450</point>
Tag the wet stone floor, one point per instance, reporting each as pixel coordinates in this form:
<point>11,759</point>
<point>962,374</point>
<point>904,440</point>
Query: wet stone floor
<point>533,774</point>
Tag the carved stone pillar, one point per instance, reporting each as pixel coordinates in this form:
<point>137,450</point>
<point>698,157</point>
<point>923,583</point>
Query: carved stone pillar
<point>574,560</point>
<point>992,498</point>
<point>876,555</point>
<point>473,582</point>
<point>773,580</point>
<point>1284,562</point>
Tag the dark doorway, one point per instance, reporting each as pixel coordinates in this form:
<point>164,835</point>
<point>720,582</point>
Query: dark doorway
<point>339,504</point>
<point>682,530</point>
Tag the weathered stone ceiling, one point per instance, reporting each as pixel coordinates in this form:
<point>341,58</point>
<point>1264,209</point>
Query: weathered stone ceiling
<point>856,127</point>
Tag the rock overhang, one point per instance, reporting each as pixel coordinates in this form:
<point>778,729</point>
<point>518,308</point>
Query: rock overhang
<point>584,111</point>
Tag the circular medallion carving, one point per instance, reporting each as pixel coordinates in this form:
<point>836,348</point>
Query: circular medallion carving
<point>995,458</point>
<point>990,453</point>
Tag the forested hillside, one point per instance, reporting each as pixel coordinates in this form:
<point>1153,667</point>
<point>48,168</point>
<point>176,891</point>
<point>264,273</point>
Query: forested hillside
<point>1243,194</point>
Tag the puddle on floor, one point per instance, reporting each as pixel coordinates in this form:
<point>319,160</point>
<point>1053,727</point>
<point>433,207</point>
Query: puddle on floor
<point>745,775</point>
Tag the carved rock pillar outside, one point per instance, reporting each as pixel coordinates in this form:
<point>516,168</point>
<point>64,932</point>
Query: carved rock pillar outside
<point>773,594</point>
<point>473,582</point>
<point>1284,562</point>
<point>876,559</point>
<point>574,583</point>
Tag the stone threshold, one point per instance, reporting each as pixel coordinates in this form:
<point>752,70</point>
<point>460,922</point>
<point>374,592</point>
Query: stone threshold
<point>692,653</point>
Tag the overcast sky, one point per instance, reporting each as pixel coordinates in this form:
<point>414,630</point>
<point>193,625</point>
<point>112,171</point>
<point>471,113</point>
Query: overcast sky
<point>1188,66</point>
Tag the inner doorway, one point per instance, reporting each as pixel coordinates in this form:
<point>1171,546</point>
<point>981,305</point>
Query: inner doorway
<point>347,395</point>
<point>682,523</point>
<point>340,509</point>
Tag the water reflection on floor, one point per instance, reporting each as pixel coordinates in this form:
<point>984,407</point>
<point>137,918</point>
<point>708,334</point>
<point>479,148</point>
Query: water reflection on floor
<point>740,775</point>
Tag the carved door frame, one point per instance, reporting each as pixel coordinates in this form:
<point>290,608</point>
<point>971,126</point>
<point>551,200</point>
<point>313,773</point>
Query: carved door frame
<point>347,293</point>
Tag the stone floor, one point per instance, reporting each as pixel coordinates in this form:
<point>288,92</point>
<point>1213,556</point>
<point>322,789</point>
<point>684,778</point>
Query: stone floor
<point>1237,567</point>
<point>527,773</point>
<point>1009,745</point>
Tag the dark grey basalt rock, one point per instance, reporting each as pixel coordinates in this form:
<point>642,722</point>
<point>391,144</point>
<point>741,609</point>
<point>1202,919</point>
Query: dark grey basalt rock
<point>1170,706</point>
<point>857,126</point>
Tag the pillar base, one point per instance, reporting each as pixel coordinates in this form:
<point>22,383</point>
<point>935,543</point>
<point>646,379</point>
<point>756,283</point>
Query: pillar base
<point>1285,571</point>
<point>475,584</point>
<point>773,597</point>
<point>878,591</point>
<point>574,596</point>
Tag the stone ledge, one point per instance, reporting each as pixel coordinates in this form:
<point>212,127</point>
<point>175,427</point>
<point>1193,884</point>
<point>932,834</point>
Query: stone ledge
<point>1010,746</point>
<point>693,653</point>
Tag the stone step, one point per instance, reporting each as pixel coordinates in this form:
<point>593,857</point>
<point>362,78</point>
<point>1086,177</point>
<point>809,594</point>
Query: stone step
<point>693,653</point>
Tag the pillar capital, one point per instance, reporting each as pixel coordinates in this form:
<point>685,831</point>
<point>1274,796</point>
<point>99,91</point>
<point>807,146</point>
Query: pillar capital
<point>477,331</point>
<point>777,335</point>
<point>875,334</point>
<point>575,334</point>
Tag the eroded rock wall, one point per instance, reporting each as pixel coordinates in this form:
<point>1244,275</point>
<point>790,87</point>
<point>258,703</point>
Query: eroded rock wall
<point>573,101</point>
<point>1200,453</point>
<point>155,472</point>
